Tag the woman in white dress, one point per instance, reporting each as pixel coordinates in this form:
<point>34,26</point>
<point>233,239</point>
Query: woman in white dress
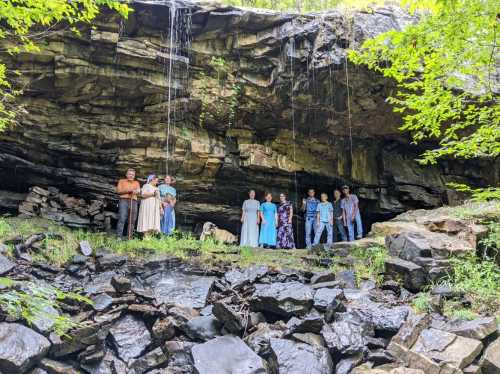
<point>150,209</point>
<point>250,221</point>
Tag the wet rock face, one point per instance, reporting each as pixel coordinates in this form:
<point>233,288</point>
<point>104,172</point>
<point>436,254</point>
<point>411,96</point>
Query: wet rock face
<point>97,104</point>
<point>20,348</point>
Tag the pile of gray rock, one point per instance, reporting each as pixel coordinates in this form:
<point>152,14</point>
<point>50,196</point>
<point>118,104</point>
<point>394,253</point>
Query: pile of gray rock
<point>161,316</point>
<point>56,206</point>
<point>421,243</point>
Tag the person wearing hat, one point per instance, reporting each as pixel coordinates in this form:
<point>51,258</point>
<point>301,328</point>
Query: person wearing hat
<point>351,215</point>
<point>150,210</point>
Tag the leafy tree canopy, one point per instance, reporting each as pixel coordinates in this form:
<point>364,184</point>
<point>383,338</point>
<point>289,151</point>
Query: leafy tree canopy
<point>18,18</point>
<point>444,66</point>
<point>302,5</point>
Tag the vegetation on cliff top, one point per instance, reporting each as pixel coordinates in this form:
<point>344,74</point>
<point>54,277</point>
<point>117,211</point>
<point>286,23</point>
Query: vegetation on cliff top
<point>22,22</point>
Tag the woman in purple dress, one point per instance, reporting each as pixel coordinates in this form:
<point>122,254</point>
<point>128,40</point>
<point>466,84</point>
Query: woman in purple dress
<point>285,228</point>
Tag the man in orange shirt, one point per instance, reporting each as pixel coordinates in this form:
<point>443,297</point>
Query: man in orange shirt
<point>128,189</point>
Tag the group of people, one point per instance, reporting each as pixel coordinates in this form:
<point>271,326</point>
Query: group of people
<point>156,213</point>
<point>264,224</point>
<point>276,230</point>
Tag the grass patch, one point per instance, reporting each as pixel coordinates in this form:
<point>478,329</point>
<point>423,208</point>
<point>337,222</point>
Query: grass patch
<point>422,303</point>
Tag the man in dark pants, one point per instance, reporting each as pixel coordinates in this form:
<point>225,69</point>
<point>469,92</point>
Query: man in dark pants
<point>128,189</point>
<point>338,224</point>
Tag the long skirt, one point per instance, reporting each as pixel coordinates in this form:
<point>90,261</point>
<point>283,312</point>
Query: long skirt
<point>285,236</point>
<point>167,220</point>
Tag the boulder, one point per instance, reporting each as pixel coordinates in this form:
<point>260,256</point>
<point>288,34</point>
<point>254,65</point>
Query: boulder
<point>490,362</point>
<point>283,299</point>
<point>130,337</point>
<point>346,365</point>
<point>5,265</point>
<point>412,275</point>
<point>326,296</point>
<point>232,356</point>
<point>57,367</point>
<point>20,348</point>
<point>344,338</point>
<point>121,284</point>
<point>109,365</point>
<point>324,276</point>
<point>231,319</point>
<point>442,346</point>
<point>385,320</point>
<point>45,321</point>
<point>163,329</point>
<point>179,353</point>
<point>101,302</point>
<point>479,328</point>
<point>259,340</point>
<point>312,322</point>
<point>240,278</point>
<point>202,328</point>
<point>298,358</point>
<point>149,361</point>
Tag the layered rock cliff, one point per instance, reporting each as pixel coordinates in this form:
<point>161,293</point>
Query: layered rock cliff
<point>258,100</point>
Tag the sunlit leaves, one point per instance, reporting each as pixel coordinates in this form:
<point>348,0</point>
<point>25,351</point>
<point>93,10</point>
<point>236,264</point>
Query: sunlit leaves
<point>444,66</point>
<point>19,17</point>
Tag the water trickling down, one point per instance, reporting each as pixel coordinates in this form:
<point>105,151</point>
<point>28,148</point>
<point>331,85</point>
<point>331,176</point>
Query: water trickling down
<point>176,67</point>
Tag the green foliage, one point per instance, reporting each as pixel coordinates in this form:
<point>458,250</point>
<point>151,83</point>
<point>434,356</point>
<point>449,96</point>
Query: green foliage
<point>422,303</point>
<point>444,67</point>
<point>33,302</point>
<point>478,194</point>
<point>370,263</point>
<point>220,102</point>
<point>479,279</point>
<point>492,242</point>
<point>18,19</point>
<point>302,6</point>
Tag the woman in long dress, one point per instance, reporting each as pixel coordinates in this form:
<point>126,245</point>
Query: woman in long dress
<point>167,219</point>
<point>269,219</point>
<point>250,221</point>
<point>285,227</point>
<point>150,210</point>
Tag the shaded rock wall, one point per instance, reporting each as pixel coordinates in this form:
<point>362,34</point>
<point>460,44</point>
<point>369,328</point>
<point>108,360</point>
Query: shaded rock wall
<point>266,102</point>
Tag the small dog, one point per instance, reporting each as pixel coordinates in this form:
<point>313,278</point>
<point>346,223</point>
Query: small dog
<point>219,235</point>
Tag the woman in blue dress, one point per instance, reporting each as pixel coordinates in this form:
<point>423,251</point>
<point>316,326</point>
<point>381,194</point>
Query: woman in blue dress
<point>269,222</point>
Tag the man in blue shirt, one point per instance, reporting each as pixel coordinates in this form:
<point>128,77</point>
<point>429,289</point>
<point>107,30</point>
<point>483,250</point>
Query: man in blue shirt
<point>350,208</point>
<point>324,219</point>
<point>166,188</point>
<point>309,207</point>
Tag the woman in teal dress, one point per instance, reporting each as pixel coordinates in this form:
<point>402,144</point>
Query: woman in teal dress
<point>269,222</point>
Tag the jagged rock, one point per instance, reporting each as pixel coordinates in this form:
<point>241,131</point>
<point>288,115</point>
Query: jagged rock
<point>100,283</point>
<point>309,338</point>
<point>130,337</point>
<point>232,321</point>
<point>312,322</point>
<point>121,284</point>
<point>298,358</point>
<point>179,353</point>
<point>442,346</point>
<point>233,356</point>
<point>345,365</point>
<point>92,354</point>
<point>479,328</point>
<point>258,341</point>
<point>412,275</point>
<point>202,328</point>
<point>20,348</point>
<point>490,362</point>
<point>102,302</point>
<point>347,277</point>
<point>385,320</point>
<point>285,299</point>
<point>5,265</point>
<point>109,365</point>
<point>324,276</point>
<point>38,371</point>
<point>249,275</point>
<point>344,338</point>
<point>46,320</point>
<point>411,329</point>
<point>56,367</point>
<point>333,284</point>
<point>149,361</point>
<point>186,290</point>
<point>324,297</point>
<point>163,329</point>
<point>110,261</point>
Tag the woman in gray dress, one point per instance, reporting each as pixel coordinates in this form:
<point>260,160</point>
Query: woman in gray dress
<point>250,221</point>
